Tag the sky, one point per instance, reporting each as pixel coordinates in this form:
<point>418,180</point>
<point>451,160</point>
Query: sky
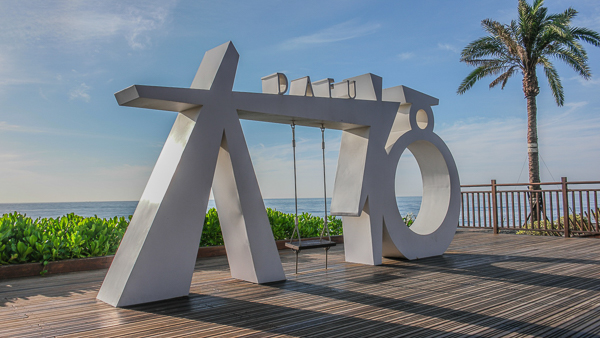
<point>63,136</point>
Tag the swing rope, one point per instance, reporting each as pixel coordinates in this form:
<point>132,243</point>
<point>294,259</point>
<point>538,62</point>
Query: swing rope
<point>309,244</point>
<point>296,229</point>
<point>325,227</point>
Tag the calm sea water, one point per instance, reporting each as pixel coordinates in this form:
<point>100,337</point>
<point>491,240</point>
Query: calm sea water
<point>111,209</point>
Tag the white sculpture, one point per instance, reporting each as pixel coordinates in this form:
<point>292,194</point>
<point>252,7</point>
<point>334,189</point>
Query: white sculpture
<point>206,148</point>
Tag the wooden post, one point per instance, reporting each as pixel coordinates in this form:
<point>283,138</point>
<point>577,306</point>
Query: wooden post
<point>494,207</point>
<point>565,196</point>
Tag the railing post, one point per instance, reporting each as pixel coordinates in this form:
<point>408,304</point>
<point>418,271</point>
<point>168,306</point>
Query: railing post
<point>565,196</point>
<point>494,207</point>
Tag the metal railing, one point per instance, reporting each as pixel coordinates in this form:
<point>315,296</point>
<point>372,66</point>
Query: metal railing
<point>533,207</point>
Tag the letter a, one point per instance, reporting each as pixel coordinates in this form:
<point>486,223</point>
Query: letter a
<point>156,258</point>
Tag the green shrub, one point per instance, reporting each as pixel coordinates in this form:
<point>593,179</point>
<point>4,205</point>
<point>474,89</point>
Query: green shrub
<point>409,219</point>
<point>282,226</point>
<point>211,232</point>
<point>575,223</point>
<point>25,240</point>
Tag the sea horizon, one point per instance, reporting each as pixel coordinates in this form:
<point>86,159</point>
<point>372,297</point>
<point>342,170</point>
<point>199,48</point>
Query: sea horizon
<point>110,209</point>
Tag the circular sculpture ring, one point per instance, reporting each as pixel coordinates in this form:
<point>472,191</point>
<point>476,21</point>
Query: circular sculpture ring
<point>437,221</point>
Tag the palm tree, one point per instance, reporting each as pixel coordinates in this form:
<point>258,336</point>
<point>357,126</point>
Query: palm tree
<point>520,47</point>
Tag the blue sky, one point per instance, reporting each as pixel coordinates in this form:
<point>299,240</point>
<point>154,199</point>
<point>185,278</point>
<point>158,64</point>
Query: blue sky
<point>64,138</point>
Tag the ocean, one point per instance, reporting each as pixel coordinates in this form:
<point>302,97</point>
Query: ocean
<point>313,206</point>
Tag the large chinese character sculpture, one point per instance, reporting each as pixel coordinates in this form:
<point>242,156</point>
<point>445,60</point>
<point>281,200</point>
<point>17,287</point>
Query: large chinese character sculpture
<point>206,148</point>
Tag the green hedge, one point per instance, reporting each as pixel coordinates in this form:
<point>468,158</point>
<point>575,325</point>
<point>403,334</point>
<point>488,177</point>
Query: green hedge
<point>282,225</point>
<point>576,222</point>
<point>26,240</point>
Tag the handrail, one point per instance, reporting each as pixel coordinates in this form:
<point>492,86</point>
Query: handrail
<point>526,184</point>
<point>529,210</point>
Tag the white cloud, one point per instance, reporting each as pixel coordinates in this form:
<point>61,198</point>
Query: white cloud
<point>496,149</point>
<point>594,81</point>
<point>487,149</point>
<point>81,92</point>
<point>122,182</point>
<point>143,21</point>
<point>35,177</point>
<point>274,168</point>
<point>10,75</point>
<point>31,129</point>
<point>589,20</point>
<point>572,107</point>
<point>79,29</point>
<point>64,22</point>
<point>6,126</point>
<point>406,56</point>
<point>340,32</point>
<point>447,46</point>
<point>408,176</point>
<point>15,163</point>
<point>483,149</point>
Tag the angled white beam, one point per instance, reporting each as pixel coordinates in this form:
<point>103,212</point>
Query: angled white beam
<point>311,111</point>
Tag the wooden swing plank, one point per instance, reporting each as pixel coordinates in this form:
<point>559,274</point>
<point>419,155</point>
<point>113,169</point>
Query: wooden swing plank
<point>310,244</point>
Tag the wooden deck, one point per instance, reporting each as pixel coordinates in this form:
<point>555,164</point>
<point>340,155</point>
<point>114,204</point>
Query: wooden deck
<point>484,286</point>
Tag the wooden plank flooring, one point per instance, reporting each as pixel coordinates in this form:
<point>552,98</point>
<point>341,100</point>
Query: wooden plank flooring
<point>484,286</point>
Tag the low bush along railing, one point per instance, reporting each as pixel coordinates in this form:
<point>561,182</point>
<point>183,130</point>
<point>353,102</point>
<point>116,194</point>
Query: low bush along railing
<point>26,240</point>
<point>556,228</point>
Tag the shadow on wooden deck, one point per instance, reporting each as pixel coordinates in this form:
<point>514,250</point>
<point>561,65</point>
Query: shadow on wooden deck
<point>485,285</point>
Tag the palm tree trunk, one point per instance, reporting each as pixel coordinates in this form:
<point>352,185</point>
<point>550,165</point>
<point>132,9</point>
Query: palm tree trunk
<point>532,143</point>
<point>536,201</point>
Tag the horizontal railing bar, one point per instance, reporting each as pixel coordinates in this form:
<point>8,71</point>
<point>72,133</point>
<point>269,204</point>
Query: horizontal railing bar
<point>526,184</point>
<point>523,190</point>
<point>583,182</point>
<point>529,190</point>
<point>541,230</point>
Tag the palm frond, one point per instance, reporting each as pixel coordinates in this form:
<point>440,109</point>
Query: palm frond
<point>586,35</point>
<point>504,77</point>
<point>476,75</point>
<point>503,35</point>
<point>554,81</point>
<point>578,64</point>
<point>537,4</point>
<point>486,46</point>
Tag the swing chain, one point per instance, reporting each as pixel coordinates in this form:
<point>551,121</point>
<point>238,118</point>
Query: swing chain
<point>296,228</point>
<point>325,226</point>
<point>325,231</point>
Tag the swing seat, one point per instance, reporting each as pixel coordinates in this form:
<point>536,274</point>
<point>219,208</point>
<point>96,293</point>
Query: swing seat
<point>309,244</point>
